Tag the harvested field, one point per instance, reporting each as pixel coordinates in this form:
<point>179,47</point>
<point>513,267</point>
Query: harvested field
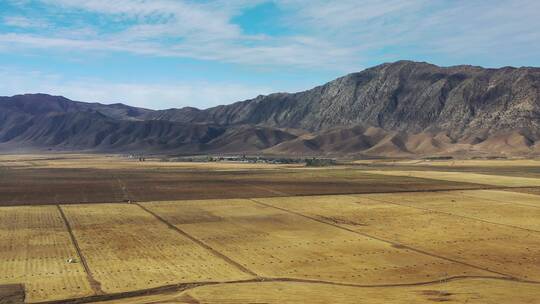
<point>34,248</point>
<point>503,249</point>
<point>129,249</point>
<point>498,207</point>
<point>259,233</point>
<point>277,244</point>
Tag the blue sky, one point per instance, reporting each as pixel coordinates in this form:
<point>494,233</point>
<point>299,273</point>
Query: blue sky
<point>174,53</point>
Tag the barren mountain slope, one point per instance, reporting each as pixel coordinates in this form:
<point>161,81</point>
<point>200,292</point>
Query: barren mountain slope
<point>402,96</point>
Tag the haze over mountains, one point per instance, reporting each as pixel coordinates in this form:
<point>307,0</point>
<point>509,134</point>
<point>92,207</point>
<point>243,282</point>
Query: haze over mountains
<point>391,110</point>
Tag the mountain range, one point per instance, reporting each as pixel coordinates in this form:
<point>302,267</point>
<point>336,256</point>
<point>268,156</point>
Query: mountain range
<point>401,109</point>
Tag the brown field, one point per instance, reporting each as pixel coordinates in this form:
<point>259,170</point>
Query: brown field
<point>83,179</point>
<point>10,294</point>
<point>370,232</point>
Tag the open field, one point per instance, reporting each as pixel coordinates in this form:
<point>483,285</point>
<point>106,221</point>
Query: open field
<point>277,244</point>
<point>129,249</point>
<point>34,247</point>
<point>444,224</point>
<point>256,233</point>
<point>83,179</point>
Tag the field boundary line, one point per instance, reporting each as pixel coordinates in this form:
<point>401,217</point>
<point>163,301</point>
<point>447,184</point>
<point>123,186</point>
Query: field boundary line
<point>94,284</point>
<point>456,215</point>
<point>199,242</point>
<point>395,244</point>
<point>182,287</point>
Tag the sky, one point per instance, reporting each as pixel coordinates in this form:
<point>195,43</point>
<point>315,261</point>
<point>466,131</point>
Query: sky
<point>163,54</point>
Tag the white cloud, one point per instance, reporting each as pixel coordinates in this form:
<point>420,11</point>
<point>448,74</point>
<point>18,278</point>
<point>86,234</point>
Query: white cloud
<point>325,34</point>
<point>153,96</point>
<point>333,35</point>
<point>181,29</point>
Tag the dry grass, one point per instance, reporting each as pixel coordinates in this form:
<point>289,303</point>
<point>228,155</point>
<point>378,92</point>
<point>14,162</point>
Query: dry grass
<point>498,207</point>
<point>129,249</point>
<point>277,244</point>
<point>34,248</point>
<point>400,218</point>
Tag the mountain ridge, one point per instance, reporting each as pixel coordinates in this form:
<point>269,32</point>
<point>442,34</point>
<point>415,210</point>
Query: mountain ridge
<point>378,96</point>
<point>403,108</point>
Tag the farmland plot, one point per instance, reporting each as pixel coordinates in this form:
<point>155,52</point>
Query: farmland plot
<point>277,244</point>
<point>499,207</point>
<point>497,248</point>
<point>34,248</point>
<point>129,249</point>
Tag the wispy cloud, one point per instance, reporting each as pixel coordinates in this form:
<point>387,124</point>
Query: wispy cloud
<point>181,29</point>
<point>328,34</point>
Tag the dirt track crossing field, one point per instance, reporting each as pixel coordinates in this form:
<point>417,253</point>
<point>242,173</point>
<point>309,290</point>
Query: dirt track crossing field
<point>275,235</point>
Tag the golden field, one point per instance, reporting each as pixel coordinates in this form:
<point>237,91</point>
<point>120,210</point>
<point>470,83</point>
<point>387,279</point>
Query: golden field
<point>242,233</point>
<point>277,244</point>
<point>501,246</point>
<point>34,248</point>
<point>129,249</point>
